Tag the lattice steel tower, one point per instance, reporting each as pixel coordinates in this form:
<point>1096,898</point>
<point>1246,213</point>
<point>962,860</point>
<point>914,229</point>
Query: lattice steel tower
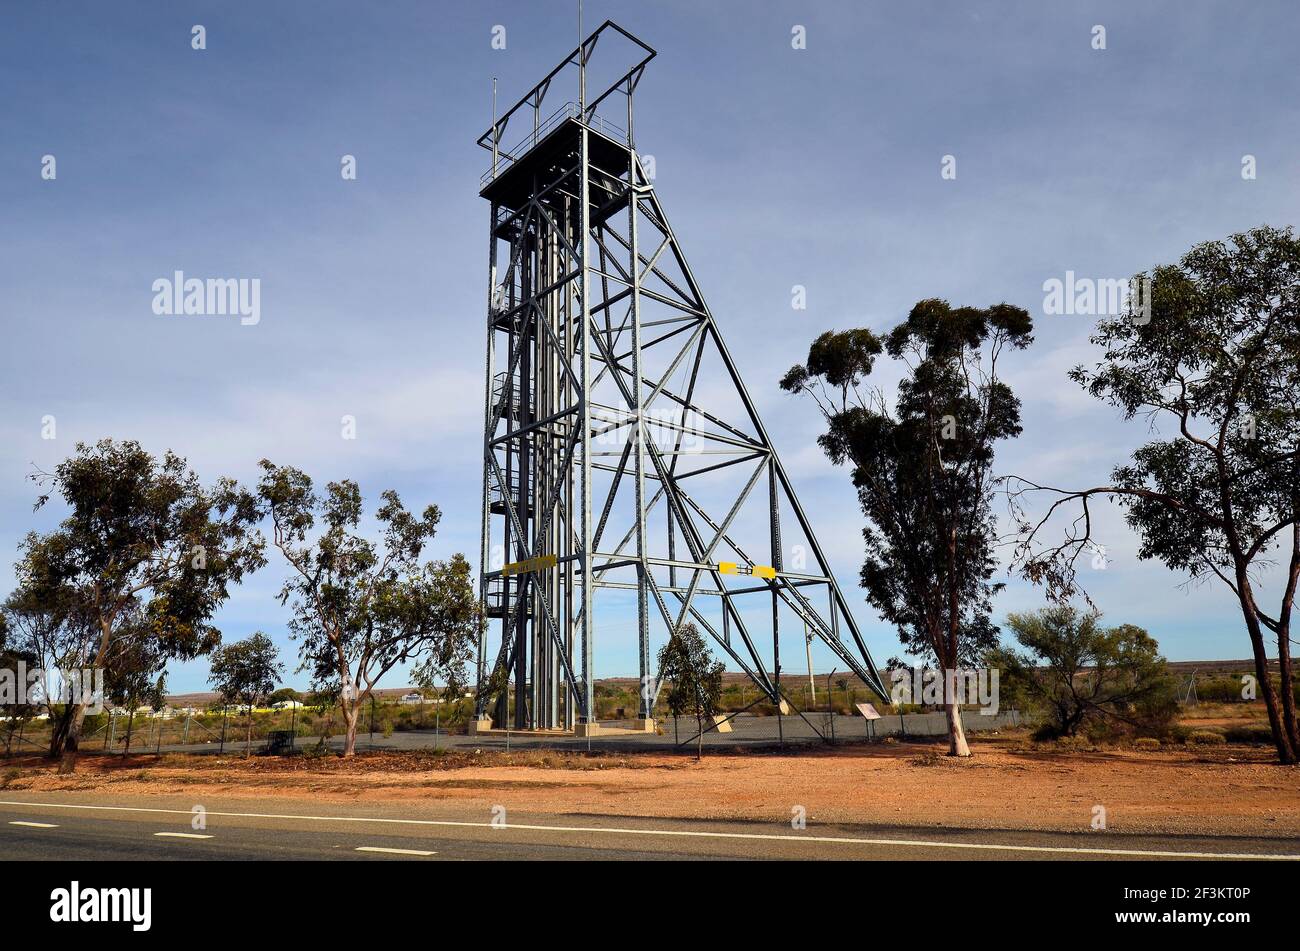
<point>623,458</point>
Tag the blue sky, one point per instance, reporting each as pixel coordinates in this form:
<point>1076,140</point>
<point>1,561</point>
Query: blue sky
<point>818,167</point>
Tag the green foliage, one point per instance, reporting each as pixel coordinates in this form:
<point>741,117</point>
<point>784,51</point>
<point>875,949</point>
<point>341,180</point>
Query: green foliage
<point>143,528</point>
<point>695,675</point>
<point>11,656</point>
<point>134,573</point>
<point>359,608</point>
<point>1083,676</point>
<point>1254,734</point>
<point>922,463</point>
<point>246,672</point>
<point>1216,360</point>
<point>133,668</point>
<point>1219,690</point>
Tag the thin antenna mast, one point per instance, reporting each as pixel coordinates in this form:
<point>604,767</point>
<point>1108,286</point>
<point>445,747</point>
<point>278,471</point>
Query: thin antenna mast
<point>582,67</point>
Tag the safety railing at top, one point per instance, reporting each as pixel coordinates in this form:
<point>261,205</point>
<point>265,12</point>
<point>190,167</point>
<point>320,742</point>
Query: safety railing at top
<point>585,111</point>
<point>570,110</point>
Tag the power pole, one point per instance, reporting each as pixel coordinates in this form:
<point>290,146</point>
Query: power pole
<point>807,646</point>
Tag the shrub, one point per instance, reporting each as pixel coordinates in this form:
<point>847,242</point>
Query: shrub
<point>10,775</point>
<point>1046,732</point>
<point>1219,690</point>
<point>1146,743</point>
<point>1206,738</point>
<point>1103,731</point>
<point>1253,734</point>
<point>1085,678</point>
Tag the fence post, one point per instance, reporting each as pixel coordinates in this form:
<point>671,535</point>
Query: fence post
<point>830,702</point>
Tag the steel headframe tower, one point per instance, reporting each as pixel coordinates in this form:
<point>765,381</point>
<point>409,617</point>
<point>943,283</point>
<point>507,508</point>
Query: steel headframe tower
<point>621,452</point>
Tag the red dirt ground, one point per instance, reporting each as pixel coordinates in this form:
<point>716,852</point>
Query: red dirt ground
<point>1008,784</point>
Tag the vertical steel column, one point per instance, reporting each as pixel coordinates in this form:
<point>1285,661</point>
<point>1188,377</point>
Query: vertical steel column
<point>555,462</point>
<point>526,610</point>
<point>775,517</point>
<point>541,459</point>
<point>485,541</point>
<point>570,526</point>
<point>509,613</point>
<point>588,562</point>
<point>646,693</point>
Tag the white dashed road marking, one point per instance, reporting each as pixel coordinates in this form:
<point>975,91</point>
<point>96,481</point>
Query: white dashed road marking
<point>686,833</point>
<point>376,848</point>
<point>181,835</point>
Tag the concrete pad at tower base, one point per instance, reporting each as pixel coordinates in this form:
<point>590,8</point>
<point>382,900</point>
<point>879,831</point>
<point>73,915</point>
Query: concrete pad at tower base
<point>482,725</point>
<point>641,726</point>
<point>586,729</point>
<point>785,708</point>
<point>722,722</point>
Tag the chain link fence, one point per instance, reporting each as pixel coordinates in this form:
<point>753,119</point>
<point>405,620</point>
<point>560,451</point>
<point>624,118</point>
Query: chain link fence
<point>386,726</point>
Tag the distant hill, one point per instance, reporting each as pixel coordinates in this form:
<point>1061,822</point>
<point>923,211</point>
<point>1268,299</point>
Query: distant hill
<point>1216,668</point>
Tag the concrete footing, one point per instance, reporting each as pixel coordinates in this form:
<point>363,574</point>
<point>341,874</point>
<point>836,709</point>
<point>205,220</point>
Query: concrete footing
<point>476,727</point>
<point>586,729</point>
<point>641,726</point>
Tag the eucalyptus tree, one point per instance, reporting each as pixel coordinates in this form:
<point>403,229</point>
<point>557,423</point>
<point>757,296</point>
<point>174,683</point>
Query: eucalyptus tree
<point>134,668</point>
<point>1214,355</point>
<point>139,530</point>
<point>245,673</point>
<point>696,678</point>
<point>55,630</point>
<point>921,463</point>
<point>16,703</point>
<point>360,608</point>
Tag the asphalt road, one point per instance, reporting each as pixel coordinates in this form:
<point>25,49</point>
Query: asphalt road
<point>65,827</point>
